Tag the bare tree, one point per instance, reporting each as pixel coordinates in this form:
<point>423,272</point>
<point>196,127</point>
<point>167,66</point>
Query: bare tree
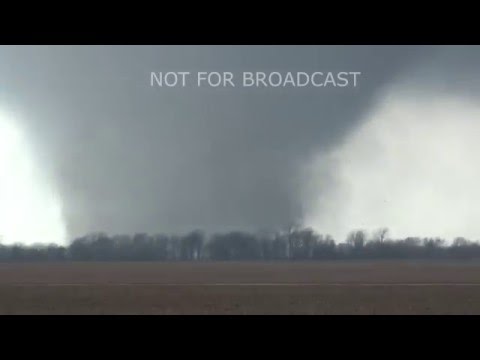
<point>381,235</point>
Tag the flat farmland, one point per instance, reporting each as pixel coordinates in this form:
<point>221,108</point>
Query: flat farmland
<point>241,288</point>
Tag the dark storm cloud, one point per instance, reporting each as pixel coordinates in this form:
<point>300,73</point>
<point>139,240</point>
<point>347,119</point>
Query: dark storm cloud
<point>127,157</point>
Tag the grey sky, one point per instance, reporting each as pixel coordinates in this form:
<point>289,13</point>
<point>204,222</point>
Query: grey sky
<point>128,158</point>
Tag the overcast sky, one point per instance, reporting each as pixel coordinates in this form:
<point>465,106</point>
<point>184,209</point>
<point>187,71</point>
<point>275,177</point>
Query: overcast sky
<point>126,157</point>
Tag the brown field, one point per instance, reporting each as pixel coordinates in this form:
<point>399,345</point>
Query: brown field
<point>241,288</point>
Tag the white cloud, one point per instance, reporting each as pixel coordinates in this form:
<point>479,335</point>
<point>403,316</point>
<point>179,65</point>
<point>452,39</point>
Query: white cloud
<point>413,165</point>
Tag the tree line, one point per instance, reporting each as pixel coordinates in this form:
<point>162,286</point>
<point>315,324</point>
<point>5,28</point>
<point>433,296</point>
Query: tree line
<point>294,244</point>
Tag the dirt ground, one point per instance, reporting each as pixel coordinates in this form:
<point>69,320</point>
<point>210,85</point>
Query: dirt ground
<point>241,288</point>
